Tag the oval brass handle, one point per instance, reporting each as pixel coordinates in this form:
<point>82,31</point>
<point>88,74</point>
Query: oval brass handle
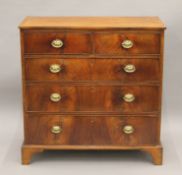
<point>57,43</point>
<point>127,44</point>
<point>128,97</point>
<point>129,68</point>
<point>55,68</point>
<point>56,129</point>
<point>128,129</point>
<point>55,97</point>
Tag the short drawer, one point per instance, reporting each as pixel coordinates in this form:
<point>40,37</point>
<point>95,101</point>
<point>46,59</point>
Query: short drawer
<point>88,130</point>
<point>72,69</point>
<point>127,43</point>
<point>56,42</point>
<point>57,97</point>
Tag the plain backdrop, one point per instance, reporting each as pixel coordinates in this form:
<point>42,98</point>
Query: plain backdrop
<point>11,128</point>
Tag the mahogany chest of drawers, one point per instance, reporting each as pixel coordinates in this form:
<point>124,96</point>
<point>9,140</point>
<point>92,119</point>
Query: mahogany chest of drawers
<point>92,83</point>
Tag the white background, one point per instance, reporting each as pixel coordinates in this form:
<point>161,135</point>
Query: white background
<point>11,129</point>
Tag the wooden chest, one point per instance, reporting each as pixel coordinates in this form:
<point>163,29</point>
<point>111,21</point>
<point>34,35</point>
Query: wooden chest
<point>92,83</point>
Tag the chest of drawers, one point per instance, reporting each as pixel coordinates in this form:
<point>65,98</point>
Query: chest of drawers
<point>92,83</point>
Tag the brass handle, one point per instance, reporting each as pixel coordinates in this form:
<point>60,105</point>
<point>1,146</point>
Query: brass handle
<point>128,129</point>
<point>55,97</point>
<point>128,97</point>
<point>129,68</point>
<point>57,43</point>
<point>127,44</point>
<point>56,129</point>
<point>55,68</point>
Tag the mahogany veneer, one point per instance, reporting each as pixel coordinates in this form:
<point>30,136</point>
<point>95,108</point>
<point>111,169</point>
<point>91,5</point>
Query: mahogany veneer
<point>90,130</point>
<point>95,69</point>
<point>110,98</point>
<point>92,83</point>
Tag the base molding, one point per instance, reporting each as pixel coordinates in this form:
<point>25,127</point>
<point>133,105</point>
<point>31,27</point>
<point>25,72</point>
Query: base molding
<point>156,151</point>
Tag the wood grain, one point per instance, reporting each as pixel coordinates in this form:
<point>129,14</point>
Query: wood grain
<point>93,22</point>
<point>92,84</point>
<point>91,98</point>
<point>111,43</point>
<point>72,69</point>
<point>91,130</point>
<point>37,42</point>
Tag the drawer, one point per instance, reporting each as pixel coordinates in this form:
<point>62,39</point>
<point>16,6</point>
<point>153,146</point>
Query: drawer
<point>127,43</point>
<point>56,42</point>
<point>57,97</point>
<point>71,69</point>
<point>87,130</point>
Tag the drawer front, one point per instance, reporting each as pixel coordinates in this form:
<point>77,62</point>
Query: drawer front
<point>70,69</point>
<point>43,42</point>
<point>124,99</point>
<point>117,43</point>
<point>68,130</point>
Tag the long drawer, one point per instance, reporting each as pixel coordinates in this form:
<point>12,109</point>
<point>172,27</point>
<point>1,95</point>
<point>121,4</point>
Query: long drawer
<point>84,69</point>
<point>71,130</point>
<point>55,97</point>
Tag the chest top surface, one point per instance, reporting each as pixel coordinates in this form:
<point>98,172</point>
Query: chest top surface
<point>93,22</point>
